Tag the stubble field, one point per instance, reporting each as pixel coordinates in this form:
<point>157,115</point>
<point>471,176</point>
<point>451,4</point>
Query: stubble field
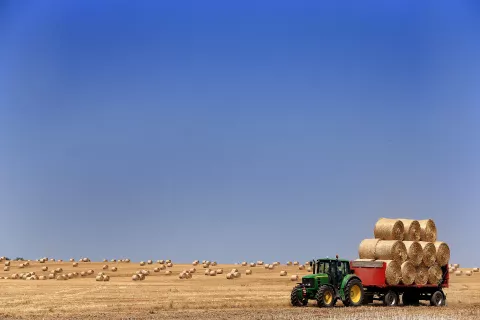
<point>262,295</point>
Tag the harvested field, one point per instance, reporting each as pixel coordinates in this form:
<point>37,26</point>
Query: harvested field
<point>262,295</point>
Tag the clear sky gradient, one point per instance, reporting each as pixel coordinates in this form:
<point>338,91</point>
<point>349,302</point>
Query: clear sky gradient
<point>235,130</point>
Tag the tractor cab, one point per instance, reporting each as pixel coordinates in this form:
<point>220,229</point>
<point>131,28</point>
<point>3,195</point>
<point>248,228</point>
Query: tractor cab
<point>331,279</point>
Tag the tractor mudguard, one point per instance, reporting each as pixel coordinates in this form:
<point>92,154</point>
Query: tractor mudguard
<point>345,280</point>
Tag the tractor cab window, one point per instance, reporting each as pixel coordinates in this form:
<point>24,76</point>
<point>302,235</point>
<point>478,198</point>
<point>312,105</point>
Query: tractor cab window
<point>323,267</point>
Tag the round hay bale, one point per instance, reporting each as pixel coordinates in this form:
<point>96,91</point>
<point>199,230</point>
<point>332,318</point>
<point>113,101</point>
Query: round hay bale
<point>168,272</point>
<point>51,276</point>
<point>149,261</point>
<point>260,263</point>
<point>248,272</point>
<point>168,261</point>
<point>105,267</point>
<point>283,273</point>
<point>428,230</point>
<point>443,253</point>
<point>296,263</point>
<point>421,276</point>
<point>389,229</point>
<point>114,269</point>
<point>237,274</point>
<point>169,265</point>
<point>156,269</point>
<point>468,273</point>
<point>7,263</point>
<point>105,260</point>
<point>213,273</point>
<point>135,277</point>
<point>214,263</point>
<point>6,268</point>
<point>99,278</point>
<point>233,271</point>
<point>142,263</point>
<point>366,249</point>
<point>113,260</point>
<point>289,263</point>
<point>72,260</point>
<point>294,277</point>
<point>244,264</point>
<point>270,267</point>
<point>207,272</point>
<point>229,276</point>
<point>434,274</point>
<point>219,271</point>
<point>393,272</point>
<point>75,264</point>
<point>414,252</point>
<point>44,268</point>
<point>21,266</point>
<point>163,267</point>
<point>309,269</point>
<point>253,264</point>
<point>391,250</point>
<point>141,276</point>
<point>302,267</point>
<point>90,272</point>
<point>408,272</point>
<point>266,266</point>
<point>475,269</point>
<point>70,275</point>
<point>456,265</point>
<point>411,230</point>
<point>429,253</point>
<point>58,270</point>
<point>83,274</point>
<point>106,277</point>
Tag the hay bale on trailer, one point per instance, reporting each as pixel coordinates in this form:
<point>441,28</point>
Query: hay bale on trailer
<point>389,229</point>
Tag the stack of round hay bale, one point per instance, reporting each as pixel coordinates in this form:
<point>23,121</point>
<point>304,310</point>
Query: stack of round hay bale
<point>410,250</point>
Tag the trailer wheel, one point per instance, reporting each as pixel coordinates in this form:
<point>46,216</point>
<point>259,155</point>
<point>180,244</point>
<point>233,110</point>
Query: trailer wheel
<point>437,299</point>
<point>354,293</point>
<point>325,297</point>
<point>390,299</point>
<point>295,297</point>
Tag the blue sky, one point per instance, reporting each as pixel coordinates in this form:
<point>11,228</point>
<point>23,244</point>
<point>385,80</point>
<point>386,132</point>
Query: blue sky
<point>240,130</point>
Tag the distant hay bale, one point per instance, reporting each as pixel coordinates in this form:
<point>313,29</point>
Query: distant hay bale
<point>266,266</point>
<point>75,264</point>
<point>219,271</point>
<point>421,275</point>
<point>135,277</point>
<point>105,267</point>
<point>393,272</point>
<point>260,263</point>
<point>283,273</point>
<point>296,263</point>
<point>248,272</point>
<point>391,250</point>
<point>294,277</point>
<point>389,229</point>
<point>309,269</point>
<point>468,273</point>
<point>90,272</point>
<point>253,264</point>
<point>428,230</point>
<point>302,267</point>
<point>434,274</point>
<point>162,267</point>
<point>214,263</point>
<point>475,269</point>
<point>207,272</point>
<point>456,265</point>
<point>213,273</point>
<point>169,265</point>
<point>21,266</point>
<point>237,274</point>
<point>168,261</point>
<point>142,263</point>
<point>244,264</point>
<point>156,269</point>
<point>411,230</point>
<point>113,260</point>
<point>443,253</point>
<point>106,277</point>
<point>289,263</point>
<point>429,253</point>
<point>70,275</point>
<point>149,261</point>
<point>229,276</point>
<point>114,269</point>
<point>6,268</point>
<point>168,272</point>
<point>270,267</point>
<point>58,270</point>
<point>72,260</point>
<point>234,270</point>
<point>408,273</point>
<point>44,268</point>
<point>161,261</point>
<point>366,249</point>
<point>105,260</point>
<point>414,252</point>
<point>51,276</point>
<point>99,278</point>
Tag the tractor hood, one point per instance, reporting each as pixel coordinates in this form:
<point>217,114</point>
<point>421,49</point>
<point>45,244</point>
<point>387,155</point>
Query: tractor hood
<point>315,276</point>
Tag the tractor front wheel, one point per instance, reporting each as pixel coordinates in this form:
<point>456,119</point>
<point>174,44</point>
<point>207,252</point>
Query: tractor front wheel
<point>296,297</point>
<point>325,297</point>
<point>354,293</point>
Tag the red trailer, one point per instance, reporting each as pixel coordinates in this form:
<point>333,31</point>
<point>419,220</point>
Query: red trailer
<point>372,275</point>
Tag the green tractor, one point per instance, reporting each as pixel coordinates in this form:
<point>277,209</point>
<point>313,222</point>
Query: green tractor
<point>331,279</point>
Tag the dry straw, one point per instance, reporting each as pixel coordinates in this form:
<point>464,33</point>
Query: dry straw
<point>389,229</point>
<point>421,276</point>
<point>393,272</point>
<point>428,230</point>
<point>408,273</point>
<point>414,252</point>
<point>443,253</point>
<point>434,274</point>
<point>366,250</point>
<point>429,253</point>
<point>391,250</point>
<point>412,230</point>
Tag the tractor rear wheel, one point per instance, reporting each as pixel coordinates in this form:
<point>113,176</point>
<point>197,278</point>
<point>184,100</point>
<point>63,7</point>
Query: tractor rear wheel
<point>437,299</point>
<point>296,297</point>
<point>354,293</point>
<point>325,297</point>
<point>390,299</point>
